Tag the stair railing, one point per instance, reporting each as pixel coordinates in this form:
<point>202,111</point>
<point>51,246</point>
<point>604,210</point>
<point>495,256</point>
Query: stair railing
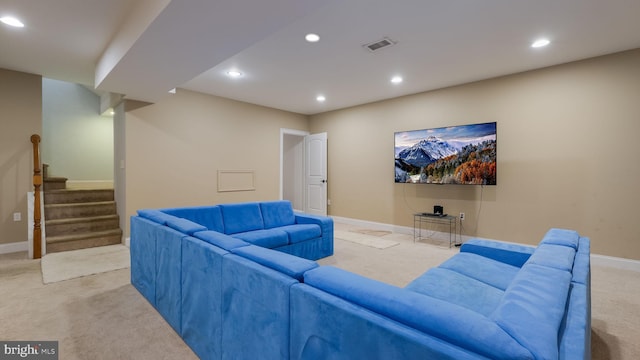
<point>37,183</point>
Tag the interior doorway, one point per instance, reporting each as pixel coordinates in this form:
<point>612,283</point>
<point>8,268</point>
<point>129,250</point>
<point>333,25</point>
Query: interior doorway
<point>292,167</point>
<point>303,170</point>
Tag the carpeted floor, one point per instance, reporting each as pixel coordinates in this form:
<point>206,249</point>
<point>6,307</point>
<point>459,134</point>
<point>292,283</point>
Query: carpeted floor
<point>103,317</point>
<point>78,263</point>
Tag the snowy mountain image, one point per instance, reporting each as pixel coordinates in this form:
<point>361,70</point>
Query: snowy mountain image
<point>427,151</point>
<point>454,155</point>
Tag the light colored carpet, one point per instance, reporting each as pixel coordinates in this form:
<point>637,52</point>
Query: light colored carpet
<point>364,239</point>
<point>78,263</point>
<point>372,232</point>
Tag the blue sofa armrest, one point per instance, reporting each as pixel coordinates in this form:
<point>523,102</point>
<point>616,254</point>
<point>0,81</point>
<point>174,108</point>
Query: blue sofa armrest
<point>185,226</point>
<point>220,240</point>
<point>325,222</point>
<point>512,254</point>
<point>156,216</point>
<point>326,226</point>
<point>285,263</point>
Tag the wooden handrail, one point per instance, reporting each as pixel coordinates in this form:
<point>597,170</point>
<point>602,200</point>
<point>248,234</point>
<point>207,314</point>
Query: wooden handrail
<point>37,183</point>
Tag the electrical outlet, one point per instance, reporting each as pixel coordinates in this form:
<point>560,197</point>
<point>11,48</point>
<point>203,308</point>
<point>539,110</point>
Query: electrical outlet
<point>329,202</point>
<point>461,216</point>
<point>17,216</point>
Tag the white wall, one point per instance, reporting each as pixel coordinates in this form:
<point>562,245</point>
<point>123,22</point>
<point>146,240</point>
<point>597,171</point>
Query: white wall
<point>77,142</point>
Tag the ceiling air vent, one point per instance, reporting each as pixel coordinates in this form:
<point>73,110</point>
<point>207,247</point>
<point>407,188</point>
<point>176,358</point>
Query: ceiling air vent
<point>380,44</point>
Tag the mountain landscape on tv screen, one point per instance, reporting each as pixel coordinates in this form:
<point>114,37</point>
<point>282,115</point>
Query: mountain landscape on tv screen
<point>455,155</point>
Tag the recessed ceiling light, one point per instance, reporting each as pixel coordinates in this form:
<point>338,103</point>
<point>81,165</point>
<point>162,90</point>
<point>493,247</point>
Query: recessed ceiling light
<point>540,43</point>
<point>312,38</point>
<point>396,79</point>
<point>11,21</point>
<point>234,73</point>
<point>321,98</point>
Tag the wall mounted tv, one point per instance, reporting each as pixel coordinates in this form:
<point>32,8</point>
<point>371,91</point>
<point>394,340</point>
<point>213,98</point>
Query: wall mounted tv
<point>464,154</point>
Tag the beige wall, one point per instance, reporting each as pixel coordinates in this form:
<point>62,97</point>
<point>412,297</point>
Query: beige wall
<point>175,147</point>
<point>567,155</point>
<point>21,105</point>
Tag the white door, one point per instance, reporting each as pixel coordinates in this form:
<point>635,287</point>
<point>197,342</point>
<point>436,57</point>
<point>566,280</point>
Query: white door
<point>316,174</point>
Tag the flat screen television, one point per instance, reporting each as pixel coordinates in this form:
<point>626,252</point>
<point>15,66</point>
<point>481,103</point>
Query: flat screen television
<point>463,154</point>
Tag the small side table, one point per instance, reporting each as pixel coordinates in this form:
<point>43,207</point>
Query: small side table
<point>420,219</point>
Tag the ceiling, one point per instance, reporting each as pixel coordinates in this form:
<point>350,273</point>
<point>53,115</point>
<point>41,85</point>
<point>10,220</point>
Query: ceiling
<point>144,48</point>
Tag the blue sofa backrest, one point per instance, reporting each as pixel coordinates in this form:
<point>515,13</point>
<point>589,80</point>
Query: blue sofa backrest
<point>277,213</point>
<point>241,217</point>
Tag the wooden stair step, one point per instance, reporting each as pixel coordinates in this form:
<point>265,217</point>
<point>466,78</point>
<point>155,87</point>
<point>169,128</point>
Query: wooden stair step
<point>81,224</point>
<point>75,210</point>
<point>54,183</point>
<point>83,240</point>
<point>67,196</point>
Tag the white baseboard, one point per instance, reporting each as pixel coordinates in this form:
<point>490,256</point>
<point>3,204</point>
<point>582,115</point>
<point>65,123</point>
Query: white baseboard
<point>90,184</point>
<point>615,262</point>
<point>14,247</point>
<point>599,260</point>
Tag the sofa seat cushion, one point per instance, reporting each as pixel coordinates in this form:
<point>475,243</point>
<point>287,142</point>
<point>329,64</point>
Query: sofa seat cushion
<point>241,217</point>
<point>270,238</point>
<point>533,308</point>
<point>301,232</point>
<point>455,288</point>
<point>555,256</point>
<point>277,213</point>
<point>488,271</point>
<point>562,237</point>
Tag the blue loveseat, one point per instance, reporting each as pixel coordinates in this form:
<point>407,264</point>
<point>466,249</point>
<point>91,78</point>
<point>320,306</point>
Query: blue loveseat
<point>231,299</point>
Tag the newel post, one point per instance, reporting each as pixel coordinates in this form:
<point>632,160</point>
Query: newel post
<point>37,183</point>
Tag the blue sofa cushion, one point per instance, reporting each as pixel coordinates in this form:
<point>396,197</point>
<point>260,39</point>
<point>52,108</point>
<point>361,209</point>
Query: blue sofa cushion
<point>449,322</point>
<point>155,216</point>
<point>301,232</point>
<point>492,272</point>
<point>277,213</point>
<point>555,256</point>
<point>512,254</point>
<point>561,237</point>
<point>185,226</point>
<point>271,238</point>
<point>533,308</point>
<point>284,263</point>
<point>241,217</point>
<point>220,240</point>
<point>208,216</point>
<point>458,289</point>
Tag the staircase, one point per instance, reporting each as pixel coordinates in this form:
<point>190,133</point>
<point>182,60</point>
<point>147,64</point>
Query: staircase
<point>78,219</point>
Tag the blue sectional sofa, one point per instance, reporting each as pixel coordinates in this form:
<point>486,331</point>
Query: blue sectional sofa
<point>232,299</point>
